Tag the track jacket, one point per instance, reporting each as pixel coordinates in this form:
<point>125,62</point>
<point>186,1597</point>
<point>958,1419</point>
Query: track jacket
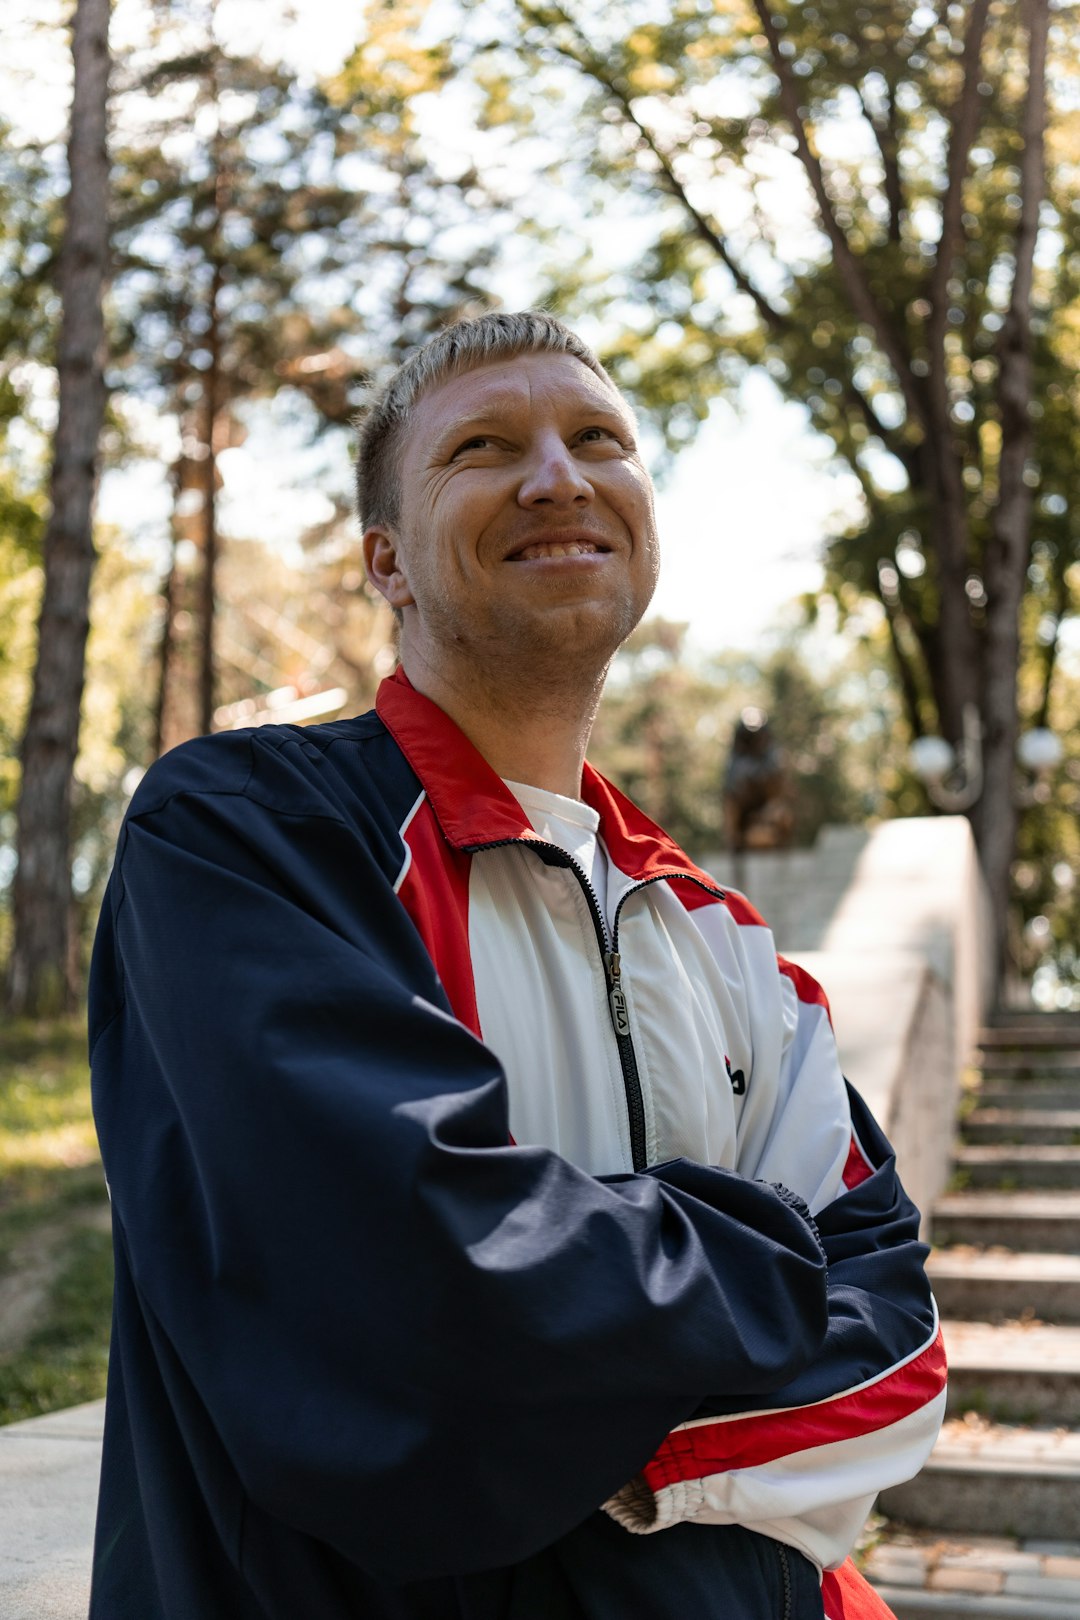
<point>409,1327</point>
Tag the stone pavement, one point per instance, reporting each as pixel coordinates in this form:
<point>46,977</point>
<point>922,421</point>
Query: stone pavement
<point>48,1490</point>
<point>980,1575</point>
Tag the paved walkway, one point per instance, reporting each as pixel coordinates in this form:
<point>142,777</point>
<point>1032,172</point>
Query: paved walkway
<point>48,1489</point>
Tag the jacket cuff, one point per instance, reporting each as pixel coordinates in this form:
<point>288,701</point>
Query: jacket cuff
<point>801,1207</point>
<point>638,1510</point>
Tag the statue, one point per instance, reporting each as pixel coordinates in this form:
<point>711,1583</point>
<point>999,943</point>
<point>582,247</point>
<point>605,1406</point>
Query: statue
<point>758,812</point>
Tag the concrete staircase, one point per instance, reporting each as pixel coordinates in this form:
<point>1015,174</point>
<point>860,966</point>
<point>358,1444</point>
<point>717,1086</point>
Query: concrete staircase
<point>991,1527</point>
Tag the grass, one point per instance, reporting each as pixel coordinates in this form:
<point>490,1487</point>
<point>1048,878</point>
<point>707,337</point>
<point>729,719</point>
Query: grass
<point>55,1251</point>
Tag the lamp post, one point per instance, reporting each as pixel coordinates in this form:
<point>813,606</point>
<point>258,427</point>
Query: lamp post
<point>953,777</point>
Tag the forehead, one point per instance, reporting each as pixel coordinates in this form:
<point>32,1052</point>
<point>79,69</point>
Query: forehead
<point>532,382</point>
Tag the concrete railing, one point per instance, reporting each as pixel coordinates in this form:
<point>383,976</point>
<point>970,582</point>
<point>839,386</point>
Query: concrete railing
<point>893,922</point>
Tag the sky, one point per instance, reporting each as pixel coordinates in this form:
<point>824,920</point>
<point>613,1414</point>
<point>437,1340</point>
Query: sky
<point>744,513</point>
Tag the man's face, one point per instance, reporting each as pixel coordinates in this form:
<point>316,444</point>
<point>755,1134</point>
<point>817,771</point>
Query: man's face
<point>526,527</point>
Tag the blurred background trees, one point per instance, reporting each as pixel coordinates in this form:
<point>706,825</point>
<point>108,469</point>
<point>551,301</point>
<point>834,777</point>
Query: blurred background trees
<point>852,195</point>
<point>874,204</point>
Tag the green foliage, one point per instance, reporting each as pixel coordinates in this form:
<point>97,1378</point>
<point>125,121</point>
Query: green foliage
<point>45,1123</point>
<point>20,590</point>
<point>65,1361</point>
<point>29,234</point>
<point>308,218</point>
<point>115,709</point>
<point>27,330</point>
<point>226,197</point>
<point>55,1250</point>
<point>274,238</point>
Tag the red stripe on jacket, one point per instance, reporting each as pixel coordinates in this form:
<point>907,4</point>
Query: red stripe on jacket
<point>749,1442</point>
<point>435,893</point>
<point>806,988</point>
<point>857,1166</point>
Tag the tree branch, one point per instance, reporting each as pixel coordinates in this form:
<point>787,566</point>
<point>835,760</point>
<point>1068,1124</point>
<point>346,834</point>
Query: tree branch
<point>583,58</point>
<point>1032,179</point>
<point>963,127</point>
<point>777,322</point>
<point>906,454</point>
<point>909,686</point>
<point>888,145</point>
<point>862,299</point>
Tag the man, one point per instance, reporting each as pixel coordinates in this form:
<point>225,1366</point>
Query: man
<point>463,1137</point>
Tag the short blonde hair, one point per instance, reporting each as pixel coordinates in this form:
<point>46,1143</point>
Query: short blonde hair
<point>461,347</point>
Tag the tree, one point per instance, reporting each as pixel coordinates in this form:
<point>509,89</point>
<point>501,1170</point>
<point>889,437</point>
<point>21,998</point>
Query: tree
<point>220,211</point>
<point>268,239</point>
<point>39,977</point>
<point>908,307</point>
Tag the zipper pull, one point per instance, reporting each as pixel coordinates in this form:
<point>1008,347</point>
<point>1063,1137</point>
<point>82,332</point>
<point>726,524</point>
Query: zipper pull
<point>620,1016</point>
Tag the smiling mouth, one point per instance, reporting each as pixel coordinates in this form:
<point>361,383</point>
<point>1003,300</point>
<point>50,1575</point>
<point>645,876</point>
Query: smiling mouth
<point>558,548</point>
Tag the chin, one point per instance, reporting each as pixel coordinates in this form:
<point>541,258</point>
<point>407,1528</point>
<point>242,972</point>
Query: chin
<point>588,632</point>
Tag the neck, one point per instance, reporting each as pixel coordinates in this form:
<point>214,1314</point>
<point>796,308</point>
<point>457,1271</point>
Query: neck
<point>533,729</point>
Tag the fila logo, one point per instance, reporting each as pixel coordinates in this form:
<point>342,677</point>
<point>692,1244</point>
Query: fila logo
<point>620,1015</point>
<point>736,1076</point>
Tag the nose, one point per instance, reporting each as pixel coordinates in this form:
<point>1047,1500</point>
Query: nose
<point>552,476</point>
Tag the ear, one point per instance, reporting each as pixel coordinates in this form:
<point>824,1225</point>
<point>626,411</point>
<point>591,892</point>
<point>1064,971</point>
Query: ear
<point>386,567</point>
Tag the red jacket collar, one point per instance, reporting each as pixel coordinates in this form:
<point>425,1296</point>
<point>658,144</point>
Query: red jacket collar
<point>473,806</point>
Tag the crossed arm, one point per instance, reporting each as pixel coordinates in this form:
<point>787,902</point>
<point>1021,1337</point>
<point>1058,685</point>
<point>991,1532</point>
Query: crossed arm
<point>461,1347</point>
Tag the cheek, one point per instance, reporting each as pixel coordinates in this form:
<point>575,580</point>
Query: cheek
<point>457,520</point>
<point>633,497</point>
<point>652,558</point>
<point>640,516</point>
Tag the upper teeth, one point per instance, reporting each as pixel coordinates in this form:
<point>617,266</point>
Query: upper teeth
<point>558,548</point>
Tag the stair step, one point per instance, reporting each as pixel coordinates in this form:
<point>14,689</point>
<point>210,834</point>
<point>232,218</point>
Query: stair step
<point>922,1573</point>
<point>1031,1065</point>
<point>1033,1035</point>
<point>911,1604</point>
<point>1017,1165</point>
<point>1028,1013</point>
<point>1036,1094</point>
<point>1025,1221</point>
<point>1003,1285</point>
<point>1018,1372</point>
<point>991,1479</point>
<point>1042,1127</point>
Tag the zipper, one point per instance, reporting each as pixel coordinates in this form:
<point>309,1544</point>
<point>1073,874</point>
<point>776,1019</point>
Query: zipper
<point>620,1023</point>
<point>785,1574</point>
<point>635,1102</point>
<point>612,963</point>
<point>617,1007</point>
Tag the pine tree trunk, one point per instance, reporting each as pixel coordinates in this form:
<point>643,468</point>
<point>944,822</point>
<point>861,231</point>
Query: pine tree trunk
<point>40,979</point>
<point>165,647</point>
<point>207,594</point>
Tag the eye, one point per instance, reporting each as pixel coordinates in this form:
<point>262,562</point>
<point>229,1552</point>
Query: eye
<point>478,441</point>
<point>606,439</point>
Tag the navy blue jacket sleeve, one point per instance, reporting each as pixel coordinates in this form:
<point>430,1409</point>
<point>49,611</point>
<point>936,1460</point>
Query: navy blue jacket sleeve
<point>428,1348</point>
